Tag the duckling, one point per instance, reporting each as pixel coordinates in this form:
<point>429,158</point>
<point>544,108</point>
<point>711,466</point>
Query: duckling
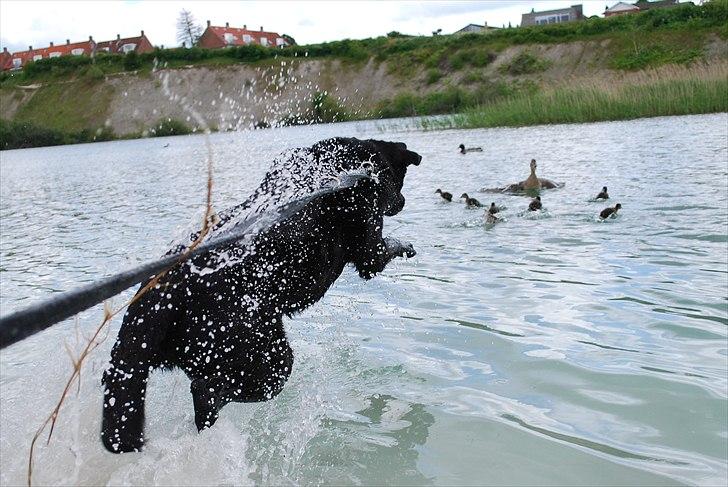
<point>603,195</point>
<point>471,202</point>
<point>463,150</point>
<point>490,215</point>
<point>445,195</point>
<point>607,212</point>
<point>535,204</point>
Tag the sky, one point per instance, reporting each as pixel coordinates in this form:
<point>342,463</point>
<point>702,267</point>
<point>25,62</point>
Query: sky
<point>37,23</point>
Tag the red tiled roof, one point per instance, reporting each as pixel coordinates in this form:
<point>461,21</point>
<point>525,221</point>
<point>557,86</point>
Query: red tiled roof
<point>237,35</point>
<point>45,52</point>
<point>115,46</point>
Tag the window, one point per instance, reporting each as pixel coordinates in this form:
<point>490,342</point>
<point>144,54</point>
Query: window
<point>229,38</point>
<point>37,57</point>
<point>247,38</point>
<point>77,52</point>
<point>263,41</point>
<point>105,49</point>
<point>280,41</point>
<point>128,47</point>
<point>54,54</point>
<point>17,62</point>
<point>565,18</point>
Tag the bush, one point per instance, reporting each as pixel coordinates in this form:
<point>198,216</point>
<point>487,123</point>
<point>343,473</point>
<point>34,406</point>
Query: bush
<point>651,56</point>
<point>132,61</point>
<point>169,126</point>
<point>23,135</point>
<point>433,76</point>
<point>524,63</point>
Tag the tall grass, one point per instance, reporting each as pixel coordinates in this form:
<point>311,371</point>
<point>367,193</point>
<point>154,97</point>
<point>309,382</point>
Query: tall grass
<point>668,91</point>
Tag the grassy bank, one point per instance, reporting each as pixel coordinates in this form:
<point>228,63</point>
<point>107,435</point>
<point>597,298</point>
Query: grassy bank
<point>632,41</point>
<point>671,91</point>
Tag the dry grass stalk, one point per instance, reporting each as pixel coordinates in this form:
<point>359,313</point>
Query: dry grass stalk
<point>93,342</point>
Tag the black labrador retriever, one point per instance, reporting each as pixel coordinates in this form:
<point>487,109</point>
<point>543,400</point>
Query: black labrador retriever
<point>223,323</point>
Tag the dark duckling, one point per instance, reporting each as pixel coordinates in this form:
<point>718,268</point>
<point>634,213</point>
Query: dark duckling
<point>607,212</point>
<point>493,209</point>
<point>603,195</point>
<point>535,204</point>
<point>445,195</point>
<point>463,150</point>
<point>471,202</point>
<point>490,215</point>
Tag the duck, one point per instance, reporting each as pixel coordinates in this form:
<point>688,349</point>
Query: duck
<point>603,195</point>
<point>471,202</point>
<point>533,182</point>
<point>607,212</point>
<point>535,204</point>
<point>463,150</point>
<point>493,209</point>
<point>445,195</point>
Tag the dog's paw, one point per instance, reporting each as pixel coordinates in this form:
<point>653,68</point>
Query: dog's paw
<point>400,249</point>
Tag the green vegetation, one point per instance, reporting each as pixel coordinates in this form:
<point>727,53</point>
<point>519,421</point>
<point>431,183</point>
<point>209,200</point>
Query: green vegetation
<point>680,92</point>
<point>22,135</point>
<point>630,33</point>
<point>169,126</point>
<point>68,107</point>
<point>524,63</point>
<point>449,100</point>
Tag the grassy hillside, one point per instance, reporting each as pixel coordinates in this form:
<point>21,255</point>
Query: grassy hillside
<point>510,70</point>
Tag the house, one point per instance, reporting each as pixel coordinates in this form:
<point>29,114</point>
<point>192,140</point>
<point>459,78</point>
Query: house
<point>646,5</point>
<point>5,57</point>
<point>139,44</point>
<point>557,16</point>
<point>621,8</point>
<point>19,59</point>
<point>475,28</point>
<point>216,37</point>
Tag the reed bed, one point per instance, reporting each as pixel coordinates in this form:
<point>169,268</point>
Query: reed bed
<point>670,90</point>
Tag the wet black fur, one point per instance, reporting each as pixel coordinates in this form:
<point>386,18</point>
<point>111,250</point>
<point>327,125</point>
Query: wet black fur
<point>225,329</point>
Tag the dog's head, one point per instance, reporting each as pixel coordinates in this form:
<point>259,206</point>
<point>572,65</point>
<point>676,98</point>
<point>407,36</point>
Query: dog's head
<point>386,161</point>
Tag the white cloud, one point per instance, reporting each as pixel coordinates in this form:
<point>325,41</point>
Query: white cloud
<point>37,23</point>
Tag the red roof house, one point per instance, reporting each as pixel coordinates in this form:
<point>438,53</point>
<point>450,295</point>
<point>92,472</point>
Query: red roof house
<point>5,59</point>
<point>138,44</point>
<point>216,37</point>
<point>90,47</point>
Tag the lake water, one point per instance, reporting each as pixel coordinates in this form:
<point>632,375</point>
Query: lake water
<point>547,349</point>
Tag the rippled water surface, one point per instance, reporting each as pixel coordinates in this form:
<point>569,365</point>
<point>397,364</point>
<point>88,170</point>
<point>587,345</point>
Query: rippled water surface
<point>550,348</point>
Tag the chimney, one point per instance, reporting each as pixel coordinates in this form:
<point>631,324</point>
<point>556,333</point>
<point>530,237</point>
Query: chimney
<point>261,28</point>
<point>227,24</point>
<point>90,38</point>
<point>51,44</point>
<point>5,49</point>
<point>142,33</point>
<point>68,41</point>
<point>208,23</point>
<point>245,26</point>
<point>118,37</point>
<point>30,48</point>
<point>485,24</point>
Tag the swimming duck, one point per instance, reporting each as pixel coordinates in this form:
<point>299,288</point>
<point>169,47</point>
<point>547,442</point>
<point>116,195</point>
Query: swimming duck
<point>535,204</point>
<point>607,212</point>
<point>493,209</point>
<point>603,195</point>
<point>490,215</point>
<point>445,195</point>
<point>463,150</point>
<point>471,202</point>
<point>532,182</point>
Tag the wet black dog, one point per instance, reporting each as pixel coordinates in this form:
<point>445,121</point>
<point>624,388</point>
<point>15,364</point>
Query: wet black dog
<point>224,328</point>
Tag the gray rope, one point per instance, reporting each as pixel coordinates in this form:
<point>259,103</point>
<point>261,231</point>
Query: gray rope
<point>29,321</point>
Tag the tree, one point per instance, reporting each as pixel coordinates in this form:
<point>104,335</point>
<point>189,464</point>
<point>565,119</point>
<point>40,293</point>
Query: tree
<point>188,31</point>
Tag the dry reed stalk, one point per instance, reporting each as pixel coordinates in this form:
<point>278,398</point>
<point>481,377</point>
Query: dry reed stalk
<point>92,343</point>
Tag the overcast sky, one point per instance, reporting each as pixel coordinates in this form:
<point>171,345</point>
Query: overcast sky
<point>36,23</point>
